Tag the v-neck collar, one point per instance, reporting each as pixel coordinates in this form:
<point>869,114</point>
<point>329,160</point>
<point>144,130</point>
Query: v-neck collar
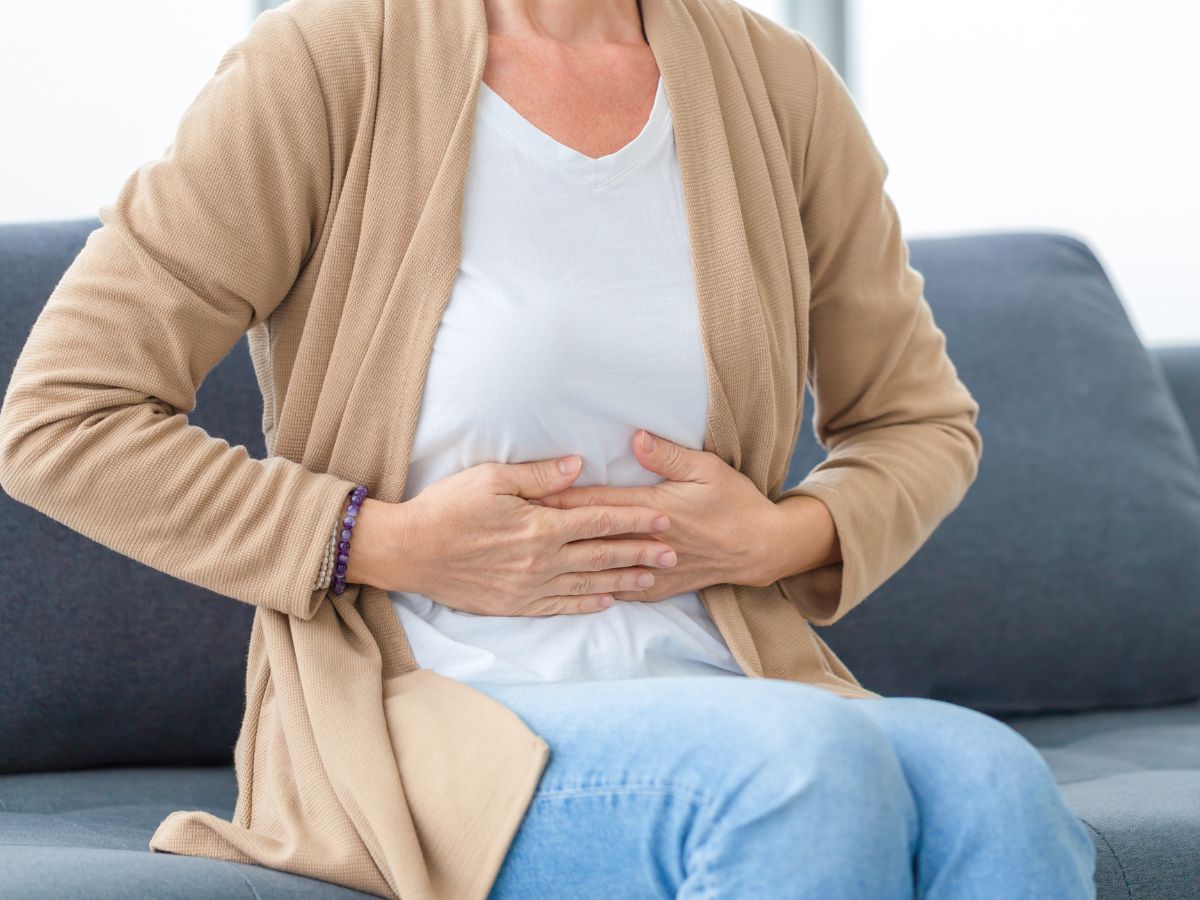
<point>593,171</point>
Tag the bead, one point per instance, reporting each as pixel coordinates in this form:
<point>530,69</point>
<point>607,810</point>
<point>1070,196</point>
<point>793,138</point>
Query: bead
<point>337,549</point>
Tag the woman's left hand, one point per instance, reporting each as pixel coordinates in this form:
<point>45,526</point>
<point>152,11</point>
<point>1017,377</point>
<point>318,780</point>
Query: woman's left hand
<point>721,524</point>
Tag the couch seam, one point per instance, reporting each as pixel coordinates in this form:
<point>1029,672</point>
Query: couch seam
<point>1112,850</point>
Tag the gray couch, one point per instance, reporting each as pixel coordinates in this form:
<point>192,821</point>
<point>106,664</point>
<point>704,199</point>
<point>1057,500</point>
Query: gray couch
<point>1062,595</point>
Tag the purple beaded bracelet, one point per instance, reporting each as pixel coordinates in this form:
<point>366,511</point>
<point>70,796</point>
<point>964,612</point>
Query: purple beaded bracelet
<point>343,555</point>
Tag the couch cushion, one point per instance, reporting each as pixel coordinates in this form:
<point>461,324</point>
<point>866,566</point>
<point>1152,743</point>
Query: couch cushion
<point>149,668</point>
<point>1069,576</point>
<point>1133,777</point>
<point>87,834</point>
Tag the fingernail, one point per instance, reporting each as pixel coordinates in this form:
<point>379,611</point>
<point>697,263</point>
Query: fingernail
<point>645,580</point>
<point>667,559</point>
<point>648,442</point>
<point>537,502</point>
<point>661,523</point>
<point>568,464</point>
<point>606,601</point>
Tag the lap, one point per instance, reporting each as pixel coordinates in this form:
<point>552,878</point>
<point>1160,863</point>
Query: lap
<point>641,772</point>
<point>644,773</point>
<point>677,729</point>
<point>687,733</point>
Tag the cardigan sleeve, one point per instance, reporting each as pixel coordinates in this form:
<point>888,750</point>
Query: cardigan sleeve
<point>897,424</point>
<point>199,246</point>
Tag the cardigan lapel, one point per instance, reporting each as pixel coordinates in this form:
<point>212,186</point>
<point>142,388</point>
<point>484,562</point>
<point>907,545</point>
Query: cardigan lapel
<point>409,252</point>
<point>721,264</point>
<point>730,308</point>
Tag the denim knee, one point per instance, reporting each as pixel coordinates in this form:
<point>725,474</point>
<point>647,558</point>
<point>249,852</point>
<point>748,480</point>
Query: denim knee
<point>1005,765</point>
<point>785,747</point>
<point>1008,781</point>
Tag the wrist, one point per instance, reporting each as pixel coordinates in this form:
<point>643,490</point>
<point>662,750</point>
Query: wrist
<point>368,543</point>
<point>383,549</point>
<point>403,554</point>
<point>802,536</point>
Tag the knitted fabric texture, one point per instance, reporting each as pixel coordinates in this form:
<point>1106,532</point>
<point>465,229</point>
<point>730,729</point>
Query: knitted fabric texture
<point>326,573</point>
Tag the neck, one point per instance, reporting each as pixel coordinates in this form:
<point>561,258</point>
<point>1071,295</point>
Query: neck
<point>569,22</point>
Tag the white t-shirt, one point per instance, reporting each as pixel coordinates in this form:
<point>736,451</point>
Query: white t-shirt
<point>572,323</point>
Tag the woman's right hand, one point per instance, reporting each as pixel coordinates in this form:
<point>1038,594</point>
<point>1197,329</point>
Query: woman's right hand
<point>474,542</point>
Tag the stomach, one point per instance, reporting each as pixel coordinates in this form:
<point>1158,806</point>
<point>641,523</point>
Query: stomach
<point>630,639</point>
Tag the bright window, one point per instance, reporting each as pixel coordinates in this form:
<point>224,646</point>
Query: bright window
<point>94,89</point>
<point>1079,115</point>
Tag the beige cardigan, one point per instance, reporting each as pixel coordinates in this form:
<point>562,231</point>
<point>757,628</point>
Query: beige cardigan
<point>312,196</point>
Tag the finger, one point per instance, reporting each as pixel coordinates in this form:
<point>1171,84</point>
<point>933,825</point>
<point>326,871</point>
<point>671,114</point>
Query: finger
<point>538,478</point>
<point>598,521</point>
<point>571,584</point>
<point>671,460</point>
<point>656,595</point>
<point>558,605</point>
<point>595,556</point>
<point>629,536</point>
<point>598,495</point>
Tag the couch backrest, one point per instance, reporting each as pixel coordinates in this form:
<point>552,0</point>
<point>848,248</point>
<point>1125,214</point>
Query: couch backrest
<point>1067,578</point>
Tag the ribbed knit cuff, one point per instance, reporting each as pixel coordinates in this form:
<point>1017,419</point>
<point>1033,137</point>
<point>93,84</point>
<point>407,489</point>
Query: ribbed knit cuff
<point>325,576</point>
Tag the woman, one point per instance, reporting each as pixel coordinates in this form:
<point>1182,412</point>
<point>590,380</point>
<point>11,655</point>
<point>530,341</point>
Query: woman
<point>599,224</point>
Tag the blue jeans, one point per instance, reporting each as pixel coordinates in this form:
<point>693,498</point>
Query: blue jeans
<point>737,787</point>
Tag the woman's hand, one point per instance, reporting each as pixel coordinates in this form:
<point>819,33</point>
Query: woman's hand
<point>722,527</point>
<point>474,542</point>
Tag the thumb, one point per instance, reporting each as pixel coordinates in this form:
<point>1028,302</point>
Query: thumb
<point>541,477</point>
<point>666,458</point>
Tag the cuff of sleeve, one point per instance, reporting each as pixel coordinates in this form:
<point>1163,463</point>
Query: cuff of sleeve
<point>827,593</point>
<point>325,576</point>
<point>327,504</point>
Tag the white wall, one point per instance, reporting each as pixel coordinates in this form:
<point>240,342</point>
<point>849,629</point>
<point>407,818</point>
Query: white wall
<point>94,88</point>
<point>1077,115</point>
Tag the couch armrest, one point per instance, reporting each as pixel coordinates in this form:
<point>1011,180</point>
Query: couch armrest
<point>1181,366</point>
